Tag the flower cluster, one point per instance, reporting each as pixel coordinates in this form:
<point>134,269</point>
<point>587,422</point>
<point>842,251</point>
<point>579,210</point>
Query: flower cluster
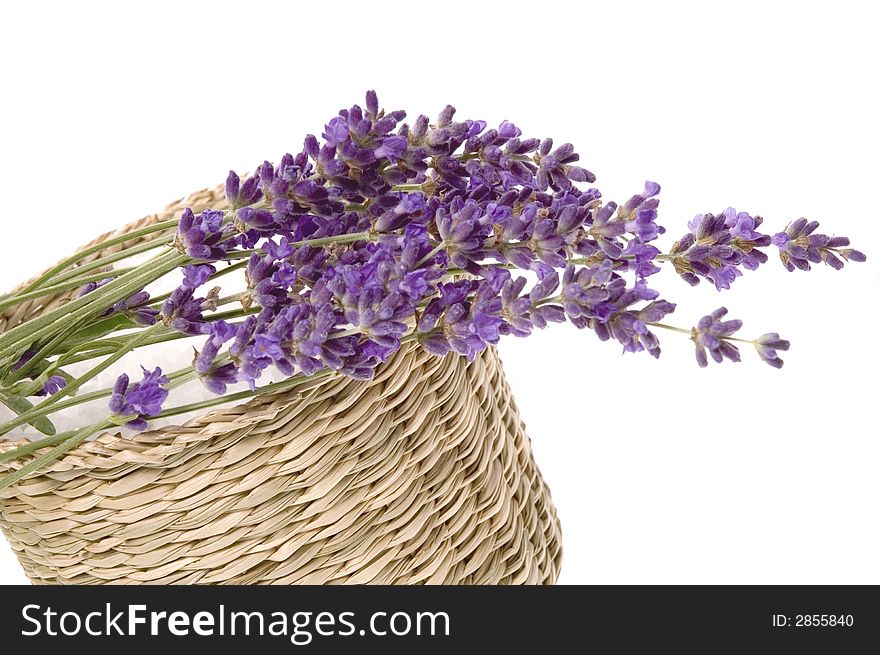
<point>715,335</point>
<point>139,400</point>
<point>718,248</point>
<point>798,246</point>
<point>447,233</point>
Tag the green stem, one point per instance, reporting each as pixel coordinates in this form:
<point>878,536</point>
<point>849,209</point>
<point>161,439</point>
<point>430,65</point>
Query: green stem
<point>671,328</point>
<point>43,408</point>
<point>141,338</point>
<point>10,376</point>
<point>38,463</point>
<point>283,385</point>
<point>176,379</point>
<point>115,257</point>
<point>690,333</point>
<point>236,313</point>
<point>14,342</point>
<point>467,156</point>
<point>433,252</point>
<point>547,301</point>
<point>31,446</point>
<point>98,247</point>
<point>105,346</point>
<point>62,286</point>
<point>58,438</point>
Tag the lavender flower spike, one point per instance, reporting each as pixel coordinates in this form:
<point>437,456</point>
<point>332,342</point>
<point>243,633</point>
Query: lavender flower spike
<point>767,345</point>
<point>799,246</point>
<point>717,246</point>
<point>199,236</point>
<point>143,399</point>
<point>712,333</point>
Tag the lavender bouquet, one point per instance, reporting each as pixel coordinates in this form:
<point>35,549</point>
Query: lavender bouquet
<point>448,234</point>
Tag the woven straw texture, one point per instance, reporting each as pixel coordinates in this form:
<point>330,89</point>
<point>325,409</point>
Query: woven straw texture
<point>423,475</point>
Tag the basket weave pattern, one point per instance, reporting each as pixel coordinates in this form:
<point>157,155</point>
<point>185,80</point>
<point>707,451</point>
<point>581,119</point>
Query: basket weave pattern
<point>421,475</point>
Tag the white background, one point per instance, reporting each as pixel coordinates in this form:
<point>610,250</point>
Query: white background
<point>662,472</point>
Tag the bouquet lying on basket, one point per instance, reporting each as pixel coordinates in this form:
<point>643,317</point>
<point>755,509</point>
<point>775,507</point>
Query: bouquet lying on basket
<point>449,234</point>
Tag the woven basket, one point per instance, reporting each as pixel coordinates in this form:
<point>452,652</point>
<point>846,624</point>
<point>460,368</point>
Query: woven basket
<point>421,475</point>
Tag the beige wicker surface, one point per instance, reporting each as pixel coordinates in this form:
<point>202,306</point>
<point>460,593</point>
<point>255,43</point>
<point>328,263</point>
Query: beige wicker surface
<point>422,475</point>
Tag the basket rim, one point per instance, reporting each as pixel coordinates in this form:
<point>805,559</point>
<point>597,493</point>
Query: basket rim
<point>111,449</point>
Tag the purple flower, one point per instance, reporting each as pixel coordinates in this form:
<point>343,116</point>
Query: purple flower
<point>218,378</point>
<point>372,104</point>
<point>544,306</point>
<point>628,325</point>
<point>296,337</point>
<point>260,219</point>
<point>195,275</point>
<point>141,399</point>
<point>639,214</point>
<point>555,169</point>
<point>586,295</point>
<point>640,258</point>
<point>712,333</point>
<point>278,181</point>
<point>52,385</point>
<point>410,208</point>
<point>516,308</point>
<point>463,230</point>
<point>336,132</point>
<point>799,246</point>
<point>200,236</point>
<point>597,298</point>
<point>91,286</point>
<point>135,307</point>
<point>374,297</point>
<point>447,325</point>
<point>717,246</point>
<point>268,280</point>
<point>767,346</point>
<point>218,332</point>
<point>741,225</point>
<point>241,195</point>
<point>183,312</point>
<point>392,148</point>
